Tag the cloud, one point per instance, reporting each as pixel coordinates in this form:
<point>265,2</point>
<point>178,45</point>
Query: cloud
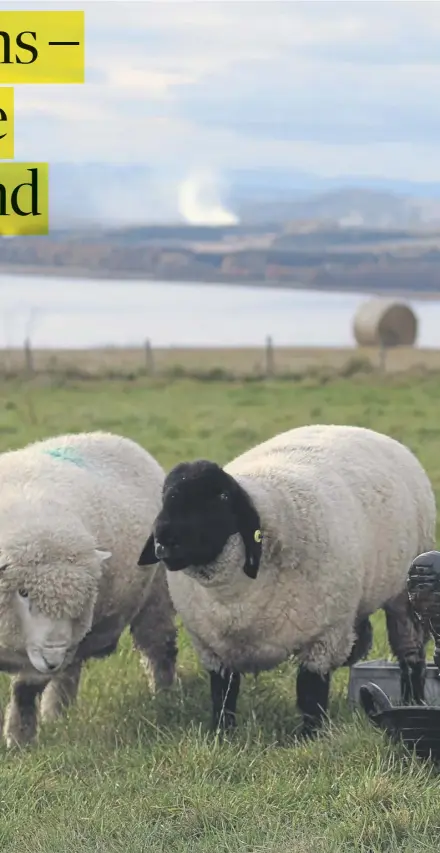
<point>327,86</point>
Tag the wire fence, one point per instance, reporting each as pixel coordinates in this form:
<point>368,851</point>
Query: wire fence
<point>268,361</point>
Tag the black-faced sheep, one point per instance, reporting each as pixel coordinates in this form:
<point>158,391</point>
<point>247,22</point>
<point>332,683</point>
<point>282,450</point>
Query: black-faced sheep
<point>288,550</point>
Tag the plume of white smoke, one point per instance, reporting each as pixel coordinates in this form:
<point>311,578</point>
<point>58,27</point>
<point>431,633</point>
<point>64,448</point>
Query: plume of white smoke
<point>199,201</point>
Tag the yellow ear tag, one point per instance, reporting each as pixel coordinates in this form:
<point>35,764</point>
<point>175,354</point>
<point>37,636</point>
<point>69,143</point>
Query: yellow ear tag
<point>257,536</point>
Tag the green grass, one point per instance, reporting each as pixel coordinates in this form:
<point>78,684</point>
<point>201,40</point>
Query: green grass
<point>126,772</point>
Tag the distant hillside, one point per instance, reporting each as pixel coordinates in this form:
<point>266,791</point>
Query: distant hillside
<point>117,194</point>
<point>349,207</point>
<point>121,220</point>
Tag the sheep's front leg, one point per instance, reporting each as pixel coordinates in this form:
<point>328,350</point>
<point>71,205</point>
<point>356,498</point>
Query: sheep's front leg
<point>225,687</point>
<point>317,663</point>
<point>60,693</point>
<point>154,634</point>
<point>312,693</point>
<point>22,714</point>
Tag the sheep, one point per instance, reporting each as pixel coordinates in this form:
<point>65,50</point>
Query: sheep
<point>73,511</point>
<point>287,551</point>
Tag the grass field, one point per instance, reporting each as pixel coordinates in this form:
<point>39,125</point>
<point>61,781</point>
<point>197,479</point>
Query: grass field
<point>126,773</point>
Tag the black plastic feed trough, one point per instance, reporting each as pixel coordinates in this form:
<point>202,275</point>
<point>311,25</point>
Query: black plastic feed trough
<point>417,726</point>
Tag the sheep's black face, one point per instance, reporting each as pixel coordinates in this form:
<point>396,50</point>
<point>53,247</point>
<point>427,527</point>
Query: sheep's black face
<point>202,506</point>
<point>197,516</point>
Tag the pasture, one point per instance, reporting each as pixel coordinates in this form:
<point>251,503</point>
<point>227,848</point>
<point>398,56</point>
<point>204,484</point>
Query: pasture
<point>126,773</point>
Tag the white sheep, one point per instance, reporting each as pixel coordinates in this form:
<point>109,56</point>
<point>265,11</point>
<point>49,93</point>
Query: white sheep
<point>73,511</point>
<point>325,521</point>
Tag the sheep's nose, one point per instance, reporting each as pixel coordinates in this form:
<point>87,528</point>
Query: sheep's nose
<point>54,658</point>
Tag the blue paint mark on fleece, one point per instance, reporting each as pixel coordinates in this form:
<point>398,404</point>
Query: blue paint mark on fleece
<point>68,454</point>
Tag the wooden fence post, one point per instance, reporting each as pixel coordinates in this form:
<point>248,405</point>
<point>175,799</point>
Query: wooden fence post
<point>269,358</point>
<point>383,358</point>
<point>149,358</point>
<point>28,358</point>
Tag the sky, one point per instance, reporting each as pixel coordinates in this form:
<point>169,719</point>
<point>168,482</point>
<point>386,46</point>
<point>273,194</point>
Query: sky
<point>320,86</point>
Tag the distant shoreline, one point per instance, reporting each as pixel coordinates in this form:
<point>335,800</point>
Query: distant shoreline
<point>130,275</point>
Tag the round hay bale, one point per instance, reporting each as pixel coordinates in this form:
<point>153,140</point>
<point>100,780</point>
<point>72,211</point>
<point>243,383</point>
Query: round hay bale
<point>384,322</point>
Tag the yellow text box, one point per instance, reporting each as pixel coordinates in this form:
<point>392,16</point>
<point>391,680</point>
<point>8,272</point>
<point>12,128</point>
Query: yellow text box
<point>6,123</point>
<point>41,47</point>
<point>24,198</point>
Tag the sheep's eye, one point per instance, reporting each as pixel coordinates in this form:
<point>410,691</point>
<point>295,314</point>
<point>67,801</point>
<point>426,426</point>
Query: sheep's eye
<point>224,496</point>
<point>23,593</point>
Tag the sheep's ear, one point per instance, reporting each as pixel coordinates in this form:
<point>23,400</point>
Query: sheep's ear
<point>102,555</point>
<point>148,556</point>
<point>249,530</point>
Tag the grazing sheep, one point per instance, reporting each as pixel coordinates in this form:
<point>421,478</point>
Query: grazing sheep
<point>288,551</point>
<point>73,511</point>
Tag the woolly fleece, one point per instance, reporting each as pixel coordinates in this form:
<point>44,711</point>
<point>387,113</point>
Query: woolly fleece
<point>344,510</point>
<point>54,511</point>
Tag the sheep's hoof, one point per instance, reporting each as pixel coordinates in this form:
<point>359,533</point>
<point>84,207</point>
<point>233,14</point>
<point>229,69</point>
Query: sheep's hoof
<point>224,724</point>
<point>19,733</point>
<point>163,679</point>
<point>160,676</point>
<point>308,731</point>
<point>19,741</point>
<point>52,712</point>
